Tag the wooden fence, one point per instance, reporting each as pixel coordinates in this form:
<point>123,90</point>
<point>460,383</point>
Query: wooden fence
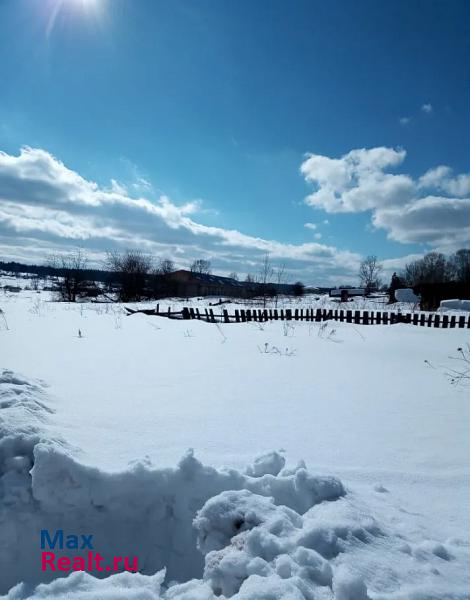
<point>358,317</point>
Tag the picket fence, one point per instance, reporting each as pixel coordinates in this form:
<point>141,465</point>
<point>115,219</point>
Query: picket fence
<point>358,317</point>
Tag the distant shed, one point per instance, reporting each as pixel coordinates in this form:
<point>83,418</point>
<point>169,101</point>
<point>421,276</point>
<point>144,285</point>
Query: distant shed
<point>350,292</point>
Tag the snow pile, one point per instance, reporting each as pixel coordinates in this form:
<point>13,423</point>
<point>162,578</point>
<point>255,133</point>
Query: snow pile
<point>446,305</point>
<point>406,295</point>
<point>143,512</point>
<point>269,533</point>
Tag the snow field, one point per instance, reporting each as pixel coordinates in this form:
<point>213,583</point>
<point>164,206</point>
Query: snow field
<point>383,514</point>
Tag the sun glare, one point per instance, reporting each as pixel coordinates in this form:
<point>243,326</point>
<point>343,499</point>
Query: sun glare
<point>92,8</point>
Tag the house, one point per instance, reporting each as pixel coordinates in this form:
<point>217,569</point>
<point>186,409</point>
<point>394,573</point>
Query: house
<point>188,283</point>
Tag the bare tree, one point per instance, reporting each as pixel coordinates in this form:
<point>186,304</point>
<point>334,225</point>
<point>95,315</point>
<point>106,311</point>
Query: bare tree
<point>432,268</point>
<point>132,269</point>
<point>165,266</point>
<point>234,275</point>
<point>71,273</point>
<point>201,266</point>
<point>459,265</point>
<point>369,273</point>
<point>280,278</point>
<point>265,273</point>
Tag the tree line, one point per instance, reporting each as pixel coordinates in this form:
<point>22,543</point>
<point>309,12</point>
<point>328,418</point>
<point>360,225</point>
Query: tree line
<point>433,267</point>
<point>133,275</point>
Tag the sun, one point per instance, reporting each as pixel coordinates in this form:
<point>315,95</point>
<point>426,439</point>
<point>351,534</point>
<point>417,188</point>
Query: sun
<point>74,8</point>
<point>86,4</point>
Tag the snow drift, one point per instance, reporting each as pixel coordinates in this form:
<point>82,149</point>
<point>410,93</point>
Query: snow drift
<point>452,305</point>
<point>271,533</point>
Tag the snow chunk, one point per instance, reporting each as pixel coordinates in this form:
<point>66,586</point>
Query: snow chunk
<point>347,586</point>
<point>267,464</point>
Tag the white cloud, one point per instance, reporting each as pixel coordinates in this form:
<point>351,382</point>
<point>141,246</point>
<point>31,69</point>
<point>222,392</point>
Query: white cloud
<point>318,236</point>
<point>410,211</point>
<point>43,203</point>
<point>442,179</point>
<point>404,120</point>
<point>427,108</point>
<point>357,181</point>
<point>432,220</point>
<point>310,226</point>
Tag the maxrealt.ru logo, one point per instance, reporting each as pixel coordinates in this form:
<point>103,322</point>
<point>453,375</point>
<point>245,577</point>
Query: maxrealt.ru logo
<point>91,561</point>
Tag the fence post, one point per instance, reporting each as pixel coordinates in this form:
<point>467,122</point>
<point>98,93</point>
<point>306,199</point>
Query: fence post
<point>266,314</point>
<point>341,315</point>
<point>385,318</point>
<point>349,316</point>
<point>243,315</point>
<point>191,313</point>
<point>365,317</point>
<point>445,321</point>
<point>211,312</point>
<point>296,314</point>
<point>437,319</point>
<point>226,317</point>
<point>357,317</point>
<point>248,315</point>
<point>422,320</point>
<point>207,315</point>
<point>282,314</point>
<point>237,316</point>
<point>461,322</point>
<point>276,316</point>
<point>318,315</point>
<point>158,309</point>
<point>288,314</point>
<point>415,318</point>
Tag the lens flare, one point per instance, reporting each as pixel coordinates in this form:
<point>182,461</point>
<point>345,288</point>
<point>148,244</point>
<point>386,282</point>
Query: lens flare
<point>72,9</point>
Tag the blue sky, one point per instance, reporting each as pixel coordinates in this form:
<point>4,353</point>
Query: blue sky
<point>319,132</point>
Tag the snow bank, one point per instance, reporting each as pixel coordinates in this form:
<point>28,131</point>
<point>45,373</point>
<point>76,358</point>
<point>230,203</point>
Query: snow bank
<point>270,533</point>
<point>143,512</point>
<point>446,305</point>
